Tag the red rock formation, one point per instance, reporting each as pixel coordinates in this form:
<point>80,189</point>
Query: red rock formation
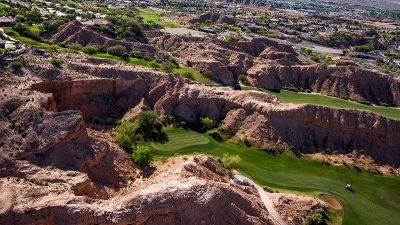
<point>53,170</point>
<point>306,128</point>
<point>76,32</point>
<point>269,64</point>
<point>343,81</point>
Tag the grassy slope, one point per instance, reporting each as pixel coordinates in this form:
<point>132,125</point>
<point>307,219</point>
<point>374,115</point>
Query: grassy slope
<point>29,41</point>
<point>375,200</point>
<point>318,99</point>
<point>150,15</point>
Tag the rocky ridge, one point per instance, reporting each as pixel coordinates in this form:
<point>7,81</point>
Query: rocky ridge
<point>306,128</point>
<point>272,65</point>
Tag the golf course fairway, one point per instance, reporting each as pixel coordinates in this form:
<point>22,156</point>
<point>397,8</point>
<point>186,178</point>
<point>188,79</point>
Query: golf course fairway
<point>375,200</point>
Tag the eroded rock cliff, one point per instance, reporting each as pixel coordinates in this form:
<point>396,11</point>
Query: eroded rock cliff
<point>307,128</point>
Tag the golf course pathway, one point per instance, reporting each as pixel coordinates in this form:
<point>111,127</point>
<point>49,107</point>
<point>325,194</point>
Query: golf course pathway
<point>264,198</point>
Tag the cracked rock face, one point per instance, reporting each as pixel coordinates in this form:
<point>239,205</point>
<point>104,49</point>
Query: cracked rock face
<point>306,128</point>
<point>272,65</point>
<point>55,170</point>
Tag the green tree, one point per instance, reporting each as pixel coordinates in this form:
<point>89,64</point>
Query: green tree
<point>126,135</point>
<point>230,161</point>
<point>207,123</point>
<point>146,127</point>
<point>141,155</point>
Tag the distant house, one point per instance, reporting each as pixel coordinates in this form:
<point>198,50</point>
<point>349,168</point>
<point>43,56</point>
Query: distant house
<point>7,21</point>
<point>97,21</point>
<point>342,60</point>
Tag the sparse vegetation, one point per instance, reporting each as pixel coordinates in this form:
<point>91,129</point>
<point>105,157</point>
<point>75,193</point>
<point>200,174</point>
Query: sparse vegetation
<point>118,50</point>
<point>167,67</point>
<point>187,75</point>
<point>16,65</point>
<point>90,50</point>
<point>230,161</point>
<point>55,61</point>
<point>317,218</point>
<point>207,123</point>
<point>242,78</point>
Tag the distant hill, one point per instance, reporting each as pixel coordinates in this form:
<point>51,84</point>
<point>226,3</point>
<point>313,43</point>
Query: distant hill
<point>390,4</point>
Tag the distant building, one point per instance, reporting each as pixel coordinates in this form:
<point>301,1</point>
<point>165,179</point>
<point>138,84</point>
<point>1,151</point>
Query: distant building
<point>7,21</point>
<point>97,22</point>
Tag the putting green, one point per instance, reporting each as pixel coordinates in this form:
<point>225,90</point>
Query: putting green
<point>375,201</point>
<point>180,140</point>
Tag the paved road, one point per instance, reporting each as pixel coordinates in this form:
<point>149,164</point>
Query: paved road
<point>264,198</point>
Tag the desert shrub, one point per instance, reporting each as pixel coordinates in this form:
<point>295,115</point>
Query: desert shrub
<point>16,65</point>
<point>167,66</point>
<point>118,50</point>
<point>187,75</point>
<point>207,123</point>
<point>229,39</point>
<point>230,161</point>
<point>173,61</point>
<point>317,218</point>
<point>141,155</point>
<point>242,78</point>
<point>55,61</point>
<point>90,50</point>
<point>75,47</point>
<point>154,64</point>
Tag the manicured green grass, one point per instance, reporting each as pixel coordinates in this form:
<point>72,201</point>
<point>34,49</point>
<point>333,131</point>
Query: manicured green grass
<point>318,99</point>
<point>153,16</point>
<point>197,76</point>
<point>130,60</point>
<point>375,201</point>
<point>178,140</point>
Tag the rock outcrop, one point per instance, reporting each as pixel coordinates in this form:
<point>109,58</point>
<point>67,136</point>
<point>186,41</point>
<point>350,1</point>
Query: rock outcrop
<point>306,128</point>
<point>272,65</point>
<point>76,32</point>
<point>54,170</point>
<point>345,82</point>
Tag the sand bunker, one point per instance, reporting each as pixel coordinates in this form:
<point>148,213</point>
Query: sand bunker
<point>331,201</point>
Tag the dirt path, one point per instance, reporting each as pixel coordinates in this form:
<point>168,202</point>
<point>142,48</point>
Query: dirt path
<point>264,198</point>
